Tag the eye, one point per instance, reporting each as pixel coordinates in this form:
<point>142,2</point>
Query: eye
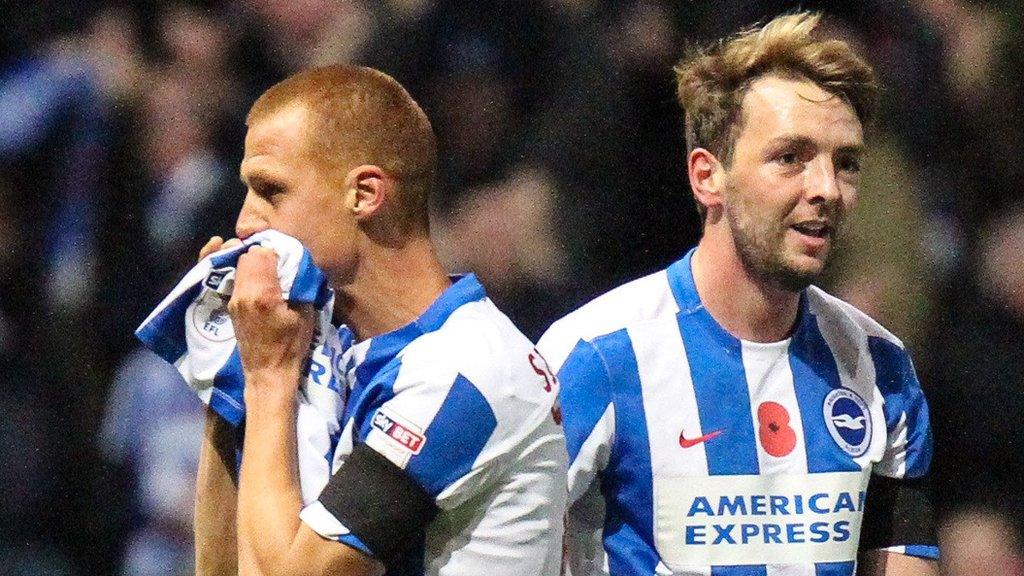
<point>268,190</point>
<point>788,158</point>
<point>849,164</point>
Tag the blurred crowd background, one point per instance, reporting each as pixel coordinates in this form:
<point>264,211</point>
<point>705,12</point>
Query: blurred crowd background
<point>563,174</point>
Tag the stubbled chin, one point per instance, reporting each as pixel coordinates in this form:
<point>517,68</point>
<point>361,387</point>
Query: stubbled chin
<point>809,264</point>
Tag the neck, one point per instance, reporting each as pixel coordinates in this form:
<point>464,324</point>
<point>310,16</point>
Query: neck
<point>391,287</point>
<point>747,307</point>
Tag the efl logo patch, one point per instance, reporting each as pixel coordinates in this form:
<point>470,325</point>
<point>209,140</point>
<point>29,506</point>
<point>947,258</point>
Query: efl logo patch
<point>398,432</point>
<point>848,421</point>
<point>210,319</point>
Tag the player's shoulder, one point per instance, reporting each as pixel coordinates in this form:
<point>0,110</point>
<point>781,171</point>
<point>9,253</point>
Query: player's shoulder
<point>477,341</point>
<point>846,319</point>
<point>632,303</point>
<point>482,363</point>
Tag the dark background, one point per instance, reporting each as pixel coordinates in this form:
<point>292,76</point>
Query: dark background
<point>563,174</point>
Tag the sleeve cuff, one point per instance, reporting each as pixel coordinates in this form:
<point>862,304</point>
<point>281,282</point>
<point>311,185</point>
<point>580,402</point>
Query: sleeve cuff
<point>917,550</point>
<point>321,521</point>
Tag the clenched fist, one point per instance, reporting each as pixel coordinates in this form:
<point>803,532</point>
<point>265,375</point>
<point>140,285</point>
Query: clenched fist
<point>273,336</point>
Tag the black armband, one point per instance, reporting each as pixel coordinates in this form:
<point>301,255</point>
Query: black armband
<point>898,512</point>
<point>379,503</point>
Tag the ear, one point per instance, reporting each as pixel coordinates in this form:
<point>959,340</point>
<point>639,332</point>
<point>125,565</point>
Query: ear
<point>707,178</point>
<point>369,189</point>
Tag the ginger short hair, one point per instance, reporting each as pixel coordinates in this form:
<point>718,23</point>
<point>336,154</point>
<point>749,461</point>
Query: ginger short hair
<point>712,81</point>
<point>362,116</point>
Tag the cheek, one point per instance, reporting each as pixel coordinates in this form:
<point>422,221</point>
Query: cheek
<point>292,221</point>
<point>331,242</point>
<point>769,194</point>
<point>850,198</point>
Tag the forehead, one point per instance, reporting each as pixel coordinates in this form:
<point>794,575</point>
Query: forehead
<point>276,140</point>
<point>776,106</point>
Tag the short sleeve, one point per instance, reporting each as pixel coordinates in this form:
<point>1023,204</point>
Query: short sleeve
<point>418,449</point>
<point>436,433</point>
<point>908,449</point>
<point>899,511</point>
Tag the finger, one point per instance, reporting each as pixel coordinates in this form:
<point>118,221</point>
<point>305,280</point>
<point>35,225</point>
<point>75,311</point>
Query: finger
<point>211,246</point>
<point>256,273</point>
<point>217,243</point>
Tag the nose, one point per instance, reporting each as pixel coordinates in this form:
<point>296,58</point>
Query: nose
<point>822,183</point>
<point>251,218</point>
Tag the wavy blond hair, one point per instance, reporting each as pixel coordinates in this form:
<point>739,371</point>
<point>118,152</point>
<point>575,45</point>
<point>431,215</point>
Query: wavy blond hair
<point>712,81</point>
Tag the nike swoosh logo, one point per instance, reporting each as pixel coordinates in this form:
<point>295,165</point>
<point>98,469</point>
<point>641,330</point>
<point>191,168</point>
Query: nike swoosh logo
<point>690,443</point>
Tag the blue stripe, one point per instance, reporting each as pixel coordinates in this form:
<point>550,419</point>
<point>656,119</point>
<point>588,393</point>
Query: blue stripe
<point>835,568</point>
<point>922,551</point>
<point>309,284</point>
<point>383,350</point>
<point>584,393</point>
<point>740,570</point>
<point>228,397</point>
<point>627,483</point>
<point>466,289</point>
<point>367,396</point>
<point>353,541</point>
<point>680,282</point>
<point>892,378</point>
<point>896,379</point>
<point>165,333</point>
<point>227,259</point>
<point>815,374</point>
<point>454,439</point>
<point>720,385</point>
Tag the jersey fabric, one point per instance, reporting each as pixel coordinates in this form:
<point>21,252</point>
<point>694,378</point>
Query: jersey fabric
<point>461,403</point>
<point>694,452</point>
<point>191,329</point>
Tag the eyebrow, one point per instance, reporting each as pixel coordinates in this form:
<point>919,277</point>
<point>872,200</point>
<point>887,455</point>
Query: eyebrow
<point>803,141</point>
<point>257,176</point>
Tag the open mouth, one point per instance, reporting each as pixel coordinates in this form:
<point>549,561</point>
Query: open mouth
<point>813,228</point>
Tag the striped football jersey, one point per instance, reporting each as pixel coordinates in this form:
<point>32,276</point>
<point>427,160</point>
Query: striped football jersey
<point>458,407</point>
<point>693,452</point>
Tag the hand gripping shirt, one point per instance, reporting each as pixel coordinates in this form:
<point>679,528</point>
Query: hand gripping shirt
<point>449,461</point>
<point>693,452</point>
<point>191,329</point>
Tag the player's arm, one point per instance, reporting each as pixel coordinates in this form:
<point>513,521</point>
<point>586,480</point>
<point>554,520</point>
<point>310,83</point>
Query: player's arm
<point>432,443</point>
<point>216,488</point>
<point>898,534</point>
<point>273,341</point>
<point>216,495</point>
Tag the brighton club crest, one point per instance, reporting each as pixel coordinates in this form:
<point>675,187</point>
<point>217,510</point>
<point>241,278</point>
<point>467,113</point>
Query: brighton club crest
<point>848,421</point>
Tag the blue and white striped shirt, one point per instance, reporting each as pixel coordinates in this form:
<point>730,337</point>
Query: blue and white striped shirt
<point>460,400</point>
<point>694,452</point>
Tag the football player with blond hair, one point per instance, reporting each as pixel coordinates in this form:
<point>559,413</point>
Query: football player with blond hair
<point>724,416</point>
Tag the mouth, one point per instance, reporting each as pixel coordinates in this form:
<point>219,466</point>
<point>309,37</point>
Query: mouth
<point>814,228</point>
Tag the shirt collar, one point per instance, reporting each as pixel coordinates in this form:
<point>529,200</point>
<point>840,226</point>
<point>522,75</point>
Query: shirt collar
<point>385,347</point>
<point>684,290</point>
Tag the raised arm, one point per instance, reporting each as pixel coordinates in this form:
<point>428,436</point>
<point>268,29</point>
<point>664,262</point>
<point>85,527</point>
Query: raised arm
<point>216,498</point>
<point>273,341</point>
<point>216,484</point>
